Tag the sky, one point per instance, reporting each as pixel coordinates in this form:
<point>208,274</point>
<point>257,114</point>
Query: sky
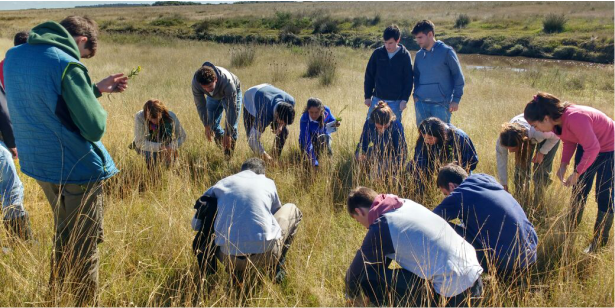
<point>22,5</point>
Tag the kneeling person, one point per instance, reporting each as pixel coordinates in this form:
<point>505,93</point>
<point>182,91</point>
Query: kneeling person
<point>422,243</point>
<point>266,105</point>
<point>493,221</point>
<point>252,227</point>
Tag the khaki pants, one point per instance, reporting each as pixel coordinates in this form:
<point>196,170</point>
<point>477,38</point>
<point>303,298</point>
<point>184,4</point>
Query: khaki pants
<point>78,217</point>
<point>288,217</point>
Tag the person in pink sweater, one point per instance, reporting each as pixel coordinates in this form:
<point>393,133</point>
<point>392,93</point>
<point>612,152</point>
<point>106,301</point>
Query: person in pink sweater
<point>591,134</point>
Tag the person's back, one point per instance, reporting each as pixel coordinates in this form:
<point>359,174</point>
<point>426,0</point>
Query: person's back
<point>245,222</point>
<point>493,220</point>
<point>51,147</point>
<point>464,151</point>
<point>427,246</point>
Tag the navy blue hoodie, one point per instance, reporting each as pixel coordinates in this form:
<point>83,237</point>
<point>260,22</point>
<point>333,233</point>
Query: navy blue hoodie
<point>389,79</point>
<point>493,220</point>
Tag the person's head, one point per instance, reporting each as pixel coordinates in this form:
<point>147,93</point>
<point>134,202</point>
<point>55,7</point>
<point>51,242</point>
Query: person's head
<point>514,137</point>
<point>206,77</point>
<point>20,38</point>
<point>433,131</point>
<point>382,116</point>
<point>391,37</point>
<point>284,114</point>
<point>254,164</point>
<point>424,33</point>
<point>85,33</point>
<point>359,202</point>
<point>315,109</point>
<point>449,177</point>
<point>543,112</point>
<point>154,111</point>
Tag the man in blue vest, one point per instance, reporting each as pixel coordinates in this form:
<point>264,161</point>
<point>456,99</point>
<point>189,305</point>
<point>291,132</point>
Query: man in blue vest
<point>58,123</point>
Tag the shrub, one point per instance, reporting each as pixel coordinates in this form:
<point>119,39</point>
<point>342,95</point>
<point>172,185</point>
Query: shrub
<point>515,50</point>
<point>242,56</point>
<point>462,21</point>
<point>324,25</point>
<point>279,71</point>
<point>169,21</point>
<point>376,20</point>
<point>321,62</point>
<point>553,23</point>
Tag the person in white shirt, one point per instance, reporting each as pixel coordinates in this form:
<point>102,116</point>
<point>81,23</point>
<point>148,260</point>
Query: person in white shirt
<point>529,146</point>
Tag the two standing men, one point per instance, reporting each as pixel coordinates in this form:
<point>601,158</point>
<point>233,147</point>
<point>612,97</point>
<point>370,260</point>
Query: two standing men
<point>436,78</point>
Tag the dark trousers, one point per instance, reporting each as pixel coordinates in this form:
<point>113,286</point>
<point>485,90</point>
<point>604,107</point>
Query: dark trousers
<point>249,122</point>
<point>602,171</point>
<point>399,287</point>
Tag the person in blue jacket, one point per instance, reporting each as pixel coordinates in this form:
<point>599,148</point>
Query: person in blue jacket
<point>315,128</point>
<point>438,79</point>
<point>266,105</point>
<point>492,220</point>
<point>383,142</point>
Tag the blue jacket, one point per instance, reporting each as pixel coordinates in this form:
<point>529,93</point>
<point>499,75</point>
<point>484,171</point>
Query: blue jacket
<point>265,100</point>
<point>389,79</point>
<point>49,150</point>
<point>309,130</point>
<point>458,148</point>
<point>493,220</point>
<point>390,146</point>
<point>437,75</point>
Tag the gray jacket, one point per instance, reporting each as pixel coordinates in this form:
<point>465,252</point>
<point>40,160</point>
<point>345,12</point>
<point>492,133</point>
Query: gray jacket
<point>227,87</point>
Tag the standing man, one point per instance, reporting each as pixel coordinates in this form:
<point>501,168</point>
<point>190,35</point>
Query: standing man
<point>266,105</point>
<point>388,76</point>
<point>438,80</point>
<point>58,123</point>
<point>216,89</point>
<point>14,214</point>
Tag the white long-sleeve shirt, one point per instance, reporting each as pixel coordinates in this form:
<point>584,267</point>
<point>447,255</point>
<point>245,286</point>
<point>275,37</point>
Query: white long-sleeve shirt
<point>535,138</point>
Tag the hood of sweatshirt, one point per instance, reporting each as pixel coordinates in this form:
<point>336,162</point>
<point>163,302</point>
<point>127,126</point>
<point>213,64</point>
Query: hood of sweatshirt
<point>382,204</point>
<point>480,182</point>
<point>52,33</point>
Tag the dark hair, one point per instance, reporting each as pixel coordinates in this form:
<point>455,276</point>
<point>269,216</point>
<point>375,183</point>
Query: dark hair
<point>544,104</point>
<point>516,135</point>
<point>434,127</point>
<point>360,197</point>
<point>20,38</point>
<point>314,102</point>
<point>154,109</point>
<point>285,112</point>
<point>254,164</point>
<point>83,26</point>
<point>391,32</point>
<point>205,75</point>
<point>424,26</point>
<point>382,114</point>
<point>451,173</point>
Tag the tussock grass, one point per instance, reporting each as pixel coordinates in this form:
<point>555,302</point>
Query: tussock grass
<point>146,259</point>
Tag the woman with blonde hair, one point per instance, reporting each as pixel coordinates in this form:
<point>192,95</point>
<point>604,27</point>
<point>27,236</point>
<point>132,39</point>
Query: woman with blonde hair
<point>158,133</point>
<point>529,146</point>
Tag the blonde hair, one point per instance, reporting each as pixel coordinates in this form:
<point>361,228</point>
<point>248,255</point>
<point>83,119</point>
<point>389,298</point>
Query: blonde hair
<point>382,114</point>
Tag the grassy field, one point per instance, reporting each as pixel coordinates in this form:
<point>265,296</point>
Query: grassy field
<point>495,28</point>
<point>146,259</point>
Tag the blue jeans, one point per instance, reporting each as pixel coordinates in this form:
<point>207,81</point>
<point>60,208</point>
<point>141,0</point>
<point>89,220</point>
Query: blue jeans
<point>214,114</point>
<point>426,110</point>
<point>393,104</point>
<point>11,189</point>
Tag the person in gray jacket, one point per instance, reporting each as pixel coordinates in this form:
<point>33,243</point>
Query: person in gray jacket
<point>438,80</point>
<point>252,227</point>
<point>216,89</point>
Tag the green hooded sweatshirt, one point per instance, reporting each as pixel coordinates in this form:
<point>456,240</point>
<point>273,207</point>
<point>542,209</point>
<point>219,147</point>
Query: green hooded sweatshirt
<point>78,91</point>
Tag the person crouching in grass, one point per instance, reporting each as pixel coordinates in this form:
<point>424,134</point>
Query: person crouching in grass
<point>158,134</point>
<point>315,128</point>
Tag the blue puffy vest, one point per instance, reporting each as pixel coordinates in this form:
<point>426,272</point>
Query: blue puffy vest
<point>49,150</point>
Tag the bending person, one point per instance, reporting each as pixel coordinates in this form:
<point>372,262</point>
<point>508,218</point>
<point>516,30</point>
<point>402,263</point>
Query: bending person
<point>158,133</point>
<point>315,128</point>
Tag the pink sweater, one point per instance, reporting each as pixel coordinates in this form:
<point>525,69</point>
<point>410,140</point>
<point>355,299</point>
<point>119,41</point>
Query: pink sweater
<point>590,128</point>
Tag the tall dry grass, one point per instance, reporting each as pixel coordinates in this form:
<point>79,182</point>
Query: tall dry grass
<point>146,259</point>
